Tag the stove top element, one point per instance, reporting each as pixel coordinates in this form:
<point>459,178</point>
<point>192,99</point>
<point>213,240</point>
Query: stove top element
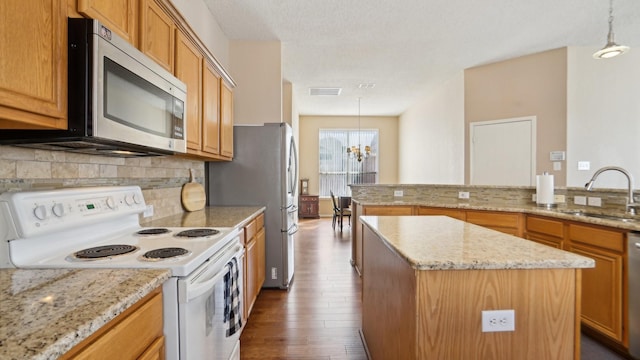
<point>196,233</point>
<point>100,252</point>
<point>165,253</point>
<point>153,231</point>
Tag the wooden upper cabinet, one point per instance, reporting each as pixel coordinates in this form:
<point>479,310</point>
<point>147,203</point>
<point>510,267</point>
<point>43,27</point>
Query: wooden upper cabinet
<point>188,69</point>
<point>226,116</point>
<point>33,64</point>
<point>157,34</point>
<point>210,109</point>
<point>118,15</point>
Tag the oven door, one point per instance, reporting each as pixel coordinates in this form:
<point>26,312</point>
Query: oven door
<point>203,331</point>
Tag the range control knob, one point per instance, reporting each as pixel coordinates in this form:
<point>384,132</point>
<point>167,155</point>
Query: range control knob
<point>41,212</point>
<point>136,199</point>
<point>58,209</point>
<point>111,204</point>
<point>128,199</point>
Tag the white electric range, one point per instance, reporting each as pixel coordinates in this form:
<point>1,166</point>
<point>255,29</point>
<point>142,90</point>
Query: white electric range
<point>98,227</point>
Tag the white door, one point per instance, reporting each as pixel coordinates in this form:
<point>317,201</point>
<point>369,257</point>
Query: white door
<point>502,152</point>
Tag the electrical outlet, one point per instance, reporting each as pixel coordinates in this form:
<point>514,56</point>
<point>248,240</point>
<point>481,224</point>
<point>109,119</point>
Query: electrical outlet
<point>463,194</point>
<point>148,212</point>
<point>534,197</point>
<point>498,320</point>
<point>274,273</point>
<point>558,199</point>
<point>584,165</point>
<point>594,201</point>
<point>398,193</point>
<point>580,200</point>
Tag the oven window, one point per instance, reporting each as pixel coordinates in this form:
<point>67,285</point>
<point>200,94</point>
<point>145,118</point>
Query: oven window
<point>134,102</point>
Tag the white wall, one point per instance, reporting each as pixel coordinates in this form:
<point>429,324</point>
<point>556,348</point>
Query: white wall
<point>205,25</point>
<point>431,133</point>
<point>603,116</point>
<point>257,68</point>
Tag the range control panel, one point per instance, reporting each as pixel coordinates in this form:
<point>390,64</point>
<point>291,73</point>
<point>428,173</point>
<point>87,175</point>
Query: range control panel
<point>38,212</point>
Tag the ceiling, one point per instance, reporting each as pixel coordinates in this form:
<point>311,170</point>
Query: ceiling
<point>406,47</point>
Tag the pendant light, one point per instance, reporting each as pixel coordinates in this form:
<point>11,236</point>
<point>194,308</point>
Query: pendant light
<point>357,152</point>
<point>611,49</point>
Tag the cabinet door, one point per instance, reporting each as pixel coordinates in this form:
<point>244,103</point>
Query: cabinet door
<point>226,116</point>
<point>33,64</point>
<point>210,109</point>
<point>189,70</point>
<point>603,286</point>
<point>157,34</point>
<point>118,15</point>
<point>602,300</point>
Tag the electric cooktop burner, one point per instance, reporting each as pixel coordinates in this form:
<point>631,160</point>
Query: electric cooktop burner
<point>153,231</point>
<point>194,233</point>
<point>165,253</point>
<point>100,252</point>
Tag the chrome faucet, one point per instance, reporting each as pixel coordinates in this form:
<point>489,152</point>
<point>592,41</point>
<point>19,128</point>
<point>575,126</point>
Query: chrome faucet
<point>631,203</point>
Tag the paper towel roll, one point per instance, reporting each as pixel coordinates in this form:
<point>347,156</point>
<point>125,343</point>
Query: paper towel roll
<point>544,189</point>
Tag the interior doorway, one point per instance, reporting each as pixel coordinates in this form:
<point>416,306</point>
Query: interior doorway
<point>503,152</point>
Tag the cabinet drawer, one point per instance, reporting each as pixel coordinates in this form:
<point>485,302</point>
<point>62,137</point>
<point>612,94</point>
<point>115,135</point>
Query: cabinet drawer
<point>388,210</point>
<point>308,198</point>
<point>607,239</point>
<point>498,219</point>
<point>259,222</point>
<point>453,213</point>
<point>545,226</point>
<point>250,231</point>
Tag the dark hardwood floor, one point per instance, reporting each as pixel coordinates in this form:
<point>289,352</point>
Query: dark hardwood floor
<point>319,317</point>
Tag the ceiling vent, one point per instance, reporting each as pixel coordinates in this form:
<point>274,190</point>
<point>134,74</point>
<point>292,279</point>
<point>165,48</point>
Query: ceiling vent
<point>325,91</point>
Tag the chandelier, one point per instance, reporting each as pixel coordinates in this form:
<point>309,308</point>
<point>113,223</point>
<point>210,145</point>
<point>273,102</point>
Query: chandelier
<point>611,49</point>
<point>356,151</point>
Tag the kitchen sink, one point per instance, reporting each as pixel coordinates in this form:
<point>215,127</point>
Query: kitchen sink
<point>599,216</point>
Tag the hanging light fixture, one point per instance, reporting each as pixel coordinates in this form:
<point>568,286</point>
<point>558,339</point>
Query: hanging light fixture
<point>611,49</point>
<point>357,152</point>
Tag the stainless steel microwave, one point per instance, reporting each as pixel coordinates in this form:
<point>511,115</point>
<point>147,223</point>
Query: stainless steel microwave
<point>121,103</point>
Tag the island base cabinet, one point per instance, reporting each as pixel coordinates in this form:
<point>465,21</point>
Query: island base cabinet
<point>437,314</point>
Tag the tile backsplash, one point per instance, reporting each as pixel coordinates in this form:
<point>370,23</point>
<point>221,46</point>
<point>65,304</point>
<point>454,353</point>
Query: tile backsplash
<point>160,177</point>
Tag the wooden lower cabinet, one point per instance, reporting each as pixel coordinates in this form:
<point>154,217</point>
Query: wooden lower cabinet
<point>254,261</point>
<point>134,334</point>
<point>309,206</point>
<point>604,305</point>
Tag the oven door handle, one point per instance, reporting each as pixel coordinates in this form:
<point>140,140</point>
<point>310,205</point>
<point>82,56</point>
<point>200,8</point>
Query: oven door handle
<point>195,290</point>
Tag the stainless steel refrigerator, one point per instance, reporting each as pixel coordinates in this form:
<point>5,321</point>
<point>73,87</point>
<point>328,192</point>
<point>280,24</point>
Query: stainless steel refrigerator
<point>264,171</point>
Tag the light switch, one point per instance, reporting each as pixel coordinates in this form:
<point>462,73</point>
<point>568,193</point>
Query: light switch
<point>557,166</point>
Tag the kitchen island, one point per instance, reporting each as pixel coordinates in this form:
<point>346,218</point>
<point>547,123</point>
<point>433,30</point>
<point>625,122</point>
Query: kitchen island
<point>427,280</point>
<point>45,313</point>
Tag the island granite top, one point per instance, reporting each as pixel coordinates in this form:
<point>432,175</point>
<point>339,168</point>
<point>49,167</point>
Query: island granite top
<point>443,243</point>
<point>45,313</point>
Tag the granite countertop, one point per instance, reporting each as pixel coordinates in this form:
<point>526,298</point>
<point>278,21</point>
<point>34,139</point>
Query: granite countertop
<point>45,313</point>
<point>443,243</point>
<point>527,209</point>
<point>211,216</point>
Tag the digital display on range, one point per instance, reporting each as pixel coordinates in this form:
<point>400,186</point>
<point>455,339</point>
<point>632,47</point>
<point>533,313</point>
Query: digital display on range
<point>91,206</point>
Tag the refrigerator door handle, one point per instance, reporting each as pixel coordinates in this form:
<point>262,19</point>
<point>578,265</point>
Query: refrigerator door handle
<point>292,209</point>
<point>293,229</point>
